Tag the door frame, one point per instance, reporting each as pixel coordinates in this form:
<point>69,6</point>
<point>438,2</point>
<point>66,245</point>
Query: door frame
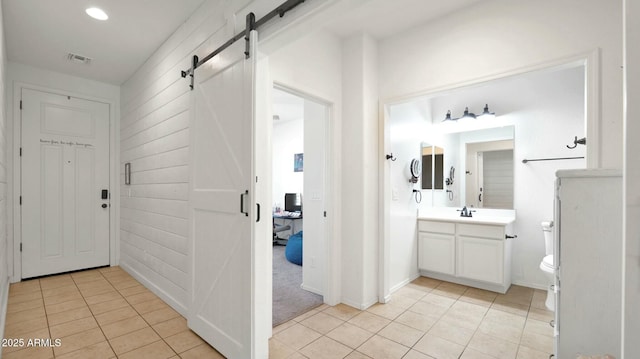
<point>589,59</point>
<point>15,179</point>
<point>331,263</point>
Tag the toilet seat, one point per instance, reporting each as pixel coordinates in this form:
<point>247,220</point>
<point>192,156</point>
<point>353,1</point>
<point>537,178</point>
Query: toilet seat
<point>547,264</point>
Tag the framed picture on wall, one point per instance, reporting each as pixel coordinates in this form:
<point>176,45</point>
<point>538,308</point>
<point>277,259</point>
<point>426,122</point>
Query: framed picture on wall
<point>298,162</point>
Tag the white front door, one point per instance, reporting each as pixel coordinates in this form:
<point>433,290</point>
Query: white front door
<point>64,170</point>
<point>222,204</point>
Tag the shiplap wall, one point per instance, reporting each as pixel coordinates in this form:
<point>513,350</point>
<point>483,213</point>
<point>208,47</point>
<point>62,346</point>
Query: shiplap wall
<point>155,140</point>
<point>4,253</point>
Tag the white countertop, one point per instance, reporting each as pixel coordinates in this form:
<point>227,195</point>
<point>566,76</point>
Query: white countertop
<point>481,216</point>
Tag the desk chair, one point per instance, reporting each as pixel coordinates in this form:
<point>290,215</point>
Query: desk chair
<point>277,229</point>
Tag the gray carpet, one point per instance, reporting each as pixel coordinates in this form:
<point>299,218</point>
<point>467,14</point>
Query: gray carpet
<point>289,300</point>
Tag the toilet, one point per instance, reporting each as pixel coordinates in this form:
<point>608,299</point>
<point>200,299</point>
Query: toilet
<point>547,263</point>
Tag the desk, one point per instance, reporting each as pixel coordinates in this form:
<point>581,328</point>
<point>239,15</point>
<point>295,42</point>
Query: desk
<point>284,219</point>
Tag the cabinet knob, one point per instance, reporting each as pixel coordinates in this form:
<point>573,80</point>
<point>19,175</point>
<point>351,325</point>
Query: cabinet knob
<point>552,323</point>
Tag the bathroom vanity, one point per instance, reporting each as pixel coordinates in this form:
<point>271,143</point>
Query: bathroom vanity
<point>473,251</point>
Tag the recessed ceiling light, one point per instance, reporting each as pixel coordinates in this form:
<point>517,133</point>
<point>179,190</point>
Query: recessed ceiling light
<point>97,13</point>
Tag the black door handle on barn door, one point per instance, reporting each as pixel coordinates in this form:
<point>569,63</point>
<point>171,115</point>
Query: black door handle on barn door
<point>258,214</point>
<point>246,192</point>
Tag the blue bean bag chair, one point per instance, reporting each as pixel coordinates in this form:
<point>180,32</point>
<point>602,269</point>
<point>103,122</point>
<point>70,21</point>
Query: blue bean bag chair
<point>293,251</point>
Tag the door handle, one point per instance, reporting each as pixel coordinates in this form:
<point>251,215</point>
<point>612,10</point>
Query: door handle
<point>258,214</point>
<point>104,205</point>
<point>480,197</point>
<point>246,192</point>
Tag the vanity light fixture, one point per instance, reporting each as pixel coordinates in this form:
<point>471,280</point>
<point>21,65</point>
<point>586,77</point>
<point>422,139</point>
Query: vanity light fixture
<point>470,115</point>
<point>97,13</point>
<point>486,114</point>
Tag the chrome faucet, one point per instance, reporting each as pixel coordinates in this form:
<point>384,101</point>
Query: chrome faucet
<point>464,212</point>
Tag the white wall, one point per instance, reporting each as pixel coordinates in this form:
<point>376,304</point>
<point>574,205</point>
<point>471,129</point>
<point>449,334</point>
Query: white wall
<point>407,128</point>
<point>4,168</point>
<point>360,171</point>
<point>547,110</point>
<point>501,36</point>
<point>154,139</point>
<point>631,282</point>
<point>288,139</point>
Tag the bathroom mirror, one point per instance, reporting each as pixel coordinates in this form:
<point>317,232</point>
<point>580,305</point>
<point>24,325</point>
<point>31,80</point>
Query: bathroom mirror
<point>484,163</point>
<point>432,167</point>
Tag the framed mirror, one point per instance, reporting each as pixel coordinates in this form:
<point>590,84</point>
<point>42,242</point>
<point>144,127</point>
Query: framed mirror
<point>483,166</point>
<point>489,174</point>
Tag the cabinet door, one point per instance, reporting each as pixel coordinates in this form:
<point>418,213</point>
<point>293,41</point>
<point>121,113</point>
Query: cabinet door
<point>480,259</point>
<point>437,252</point>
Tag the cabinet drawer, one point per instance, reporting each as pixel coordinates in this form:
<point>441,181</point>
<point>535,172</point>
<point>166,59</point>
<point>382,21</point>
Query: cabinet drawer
<point>437,227</point>
<point>481,230</point>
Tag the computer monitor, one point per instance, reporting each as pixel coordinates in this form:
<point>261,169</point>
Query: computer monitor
<point>293,202</point>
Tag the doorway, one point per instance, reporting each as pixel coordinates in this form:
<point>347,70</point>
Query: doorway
<point>65,192</point>
<point>489,157</point>
<point>300,192</point>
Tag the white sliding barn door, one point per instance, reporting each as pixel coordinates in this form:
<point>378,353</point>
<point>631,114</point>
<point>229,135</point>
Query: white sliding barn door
<point>65,167</point>
<point>222,203</point>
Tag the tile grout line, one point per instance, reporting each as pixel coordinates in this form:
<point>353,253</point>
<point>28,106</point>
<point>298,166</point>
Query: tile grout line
<point>149,324</point>
<point>92,315</point>
<point>457,299</point>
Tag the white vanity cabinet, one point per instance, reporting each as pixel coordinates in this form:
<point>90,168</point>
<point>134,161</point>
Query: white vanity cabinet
<point>466,252</point>
<point>437,242</point>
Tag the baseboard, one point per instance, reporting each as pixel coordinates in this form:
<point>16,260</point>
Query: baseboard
<point>180,308</point>
<point>310,289</point>
<point>529,284</point>
<point>361,306</point>
<point>396,287</point>
<point>4,300</point>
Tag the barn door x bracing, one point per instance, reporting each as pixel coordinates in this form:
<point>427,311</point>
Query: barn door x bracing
<point>64,183</point>
<point>222,202</point>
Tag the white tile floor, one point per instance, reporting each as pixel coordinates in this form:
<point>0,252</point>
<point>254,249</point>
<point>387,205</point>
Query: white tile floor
<point>100,313</point>
<point>425,319</point>
<point>105,313</point>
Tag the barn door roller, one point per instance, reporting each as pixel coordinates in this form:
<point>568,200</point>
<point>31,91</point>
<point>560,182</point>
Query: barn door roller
<point>252,24</point>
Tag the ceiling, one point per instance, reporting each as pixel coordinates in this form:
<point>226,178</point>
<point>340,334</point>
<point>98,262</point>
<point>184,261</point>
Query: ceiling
<point>380,19</point>
<point>42,32</point>
<point>287,107</point>
<point>384,18</point>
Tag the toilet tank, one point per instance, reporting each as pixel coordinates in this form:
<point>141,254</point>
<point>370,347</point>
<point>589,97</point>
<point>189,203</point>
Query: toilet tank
<point>547,230</point>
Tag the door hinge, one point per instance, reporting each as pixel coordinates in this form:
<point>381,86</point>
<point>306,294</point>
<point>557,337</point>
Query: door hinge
<point>20,151</point>
<point>20,246</point>
<point>325,214</point>
<point>21,200</point>
<point>21,104</point>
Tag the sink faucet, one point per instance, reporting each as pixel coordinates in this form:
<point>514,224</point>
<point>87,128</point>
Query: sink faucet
<point>464,212</point>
